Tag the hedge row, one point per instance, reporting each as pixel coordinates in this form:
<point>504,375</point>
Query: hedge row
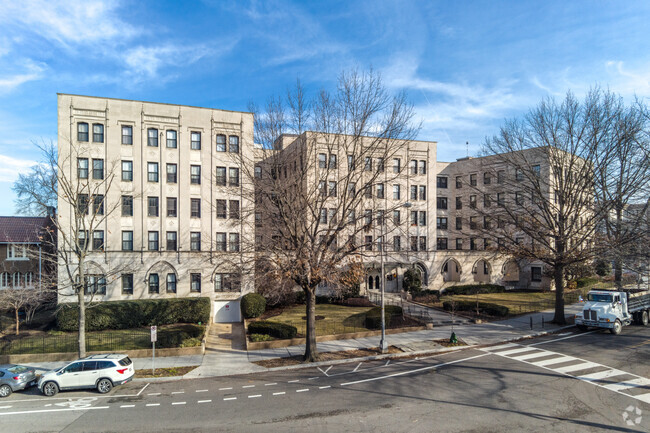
<point>472,289</point>
<point>274,329</point>
<point>253,305</point>
<point>484,307</point>
<point>135,314</point>
<point>373,316</point>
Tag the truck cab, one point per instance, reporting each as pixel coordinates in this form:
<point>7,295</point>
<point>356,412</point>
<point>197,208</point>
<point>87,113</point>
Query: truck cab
<point>613,309</point>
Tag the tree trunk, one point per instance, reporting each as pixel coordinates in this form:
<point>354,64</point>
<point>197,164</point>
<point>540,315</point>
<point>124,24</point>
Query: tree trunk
<point>618,272</point>
<point>311,354</point>
<point>17,321</point>
<point>559,295</point>
<point>82,322</point>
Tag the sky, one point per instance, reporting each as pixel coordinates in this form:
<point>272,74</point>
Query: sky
<point>465,65</point>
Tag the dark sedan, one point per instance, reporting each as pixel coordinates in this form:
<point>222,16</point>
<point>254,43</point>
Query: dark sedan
<point>15,377</point>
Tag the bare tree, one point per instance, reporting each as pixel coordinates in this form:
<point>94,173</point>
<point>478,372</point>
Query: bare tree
<point>25,298</point>
<point>547,166</point>
<point>321,170</point>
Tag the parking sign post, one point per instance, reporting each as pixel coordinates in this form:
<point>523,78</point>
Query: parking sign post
<point>154,337</point>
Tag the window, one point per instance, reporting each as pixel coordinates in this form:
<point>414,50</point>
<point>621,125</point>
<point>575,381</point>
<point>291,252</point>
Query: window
<point>82,204</point>
<point>127,138</point>
<point>127,241</point>
<point>127,284</point>
<point>98,240</point>
<point>459,182</point>
<point>95,284</point>
<point>487,178</point>
<point>441,202</point>
<point>423,243</point>
<point>127,171</point>
<point>16,252</point>
<point>501,174</point>
<point>414,192</point>
<point>487,224</point>
<point>172,242</point>
<point>441,244</point>
<point>98,133</point>
<point>195,208</point>
<point>82,239</point>
<point>152,206</point>
<point>396,192</point>
<point>351,164</point>
<point>154,283</point>
<point>152,137</point>
<point>441,182</point>
<point>82,168</point>
<point>233,144</point>
<point>4,279</point>
<point>98,205</point>
<point>221,143</point>
<point>221,209</point>
<point>380,165</point>
<point>397,165</point>
<point>171,206</point>
<point>332,161</point>
<point>367,217</point>
<point>459,203</point>
<point>380,190</point>
<point>486,200</point>
<point>519,198</point>
<point>414,166</point>
<point>234,209</point>
<point>221,176</point>
<point>352,189</point>
<point>472,201</point>
<point>423,167</point>
<point>414,243</point>
<point>519,240</point>
<point>536,273</point>
<point>472,179</point>
<point>98,169</point>
<point>459,223</point>
<point>127,205</point>
<point>233,177</point>
<point>172,170</point>
<point>486,246</point>
<point>82,131</point>
<point>414,218</point>
<point>352,217</point>
<point>17,276</point>
<point>331,188</point>
<point>258,172</point>
<point>380,217</point>
<point>227,282</point>
<point>195,241</point>
<point>397,217</point>
<point>152,171</point>
<point>397,243</point>
<point>423,218</point>
<point>472,222</point>
<point>258,219</point>
<point>368,164</point>
<point>221,242</point>
<point>153,241</point>
<point>171,283</point>
<point>171,139</point>
<point>195,282</point>
<point>501,223</point>
<point>441,223</point>
<point>536,170</point>
<point>233,242</point>
<point>195,174</point>
<point>423,192</point>
<point>501,201</point>
<point>195,140</point>
<point>368,243</point>
<point>519,175</point>
<point>459,243</point>
<point>472,244</point>
<point>322,188</point>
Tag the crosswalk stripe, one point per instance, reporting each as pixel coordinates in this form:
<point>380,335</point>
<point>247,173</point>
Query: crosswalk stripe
<point>560,359</point>
<point>643,397</point>
<point>513,351</point>
<point>601,375</point>
<point>577,367</point>
<point>500,347</point>
<point>633,383</point>
<point>527,356</point>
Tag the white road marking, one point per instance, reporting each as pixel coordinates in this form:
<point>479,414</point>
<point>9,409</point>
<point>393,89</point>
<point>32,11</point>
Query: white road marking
<point>279,393</point>
<point>558,360</point>
<point>128,405</point>
<point>500,347</point>
<point>632,383</point>
<point>513,351</point>
<point>328,368</point>
<point>577,367</point>
<point>178,392</point>
<point>324,387</point>
<point>357,367</point>
<point>230,398</point>
<point>5,407</point>
<point>204,401</point>
<point>520,357</point>
<point>154,393</point>
<point>312,378</point>
<point>324,372</point>
<point>53,410</point>
<point>643,397</point>
<point>270,384</point>
<point>294,381</point>
<point>255,396</point>
<point>417,370</point>
<point>225,389</point>
<point>302,390</point>
<point>143,388</point>
<point>153,404</point>
<point>178,402</point>
<point>31,400</point>
<point>248,386</point>
<point>601,375</point>
<point>201,390</point>
<point>48,405</point>
<point>387,362</point>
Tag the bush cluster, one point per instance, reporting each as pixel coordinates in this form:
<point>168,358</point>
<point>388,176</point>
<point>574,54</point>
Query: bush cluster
<point>253,305</point>
<point>274,329</point>
<point>472,289</point>
<point>586,282</point>
<point>373,316</point>
<point>135,314</point>
<point>484,307</point>
<point>187,336</point>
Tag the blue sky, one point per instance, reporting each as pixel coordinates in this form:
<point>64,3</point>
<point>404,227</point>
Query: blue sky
<point>465,65</point>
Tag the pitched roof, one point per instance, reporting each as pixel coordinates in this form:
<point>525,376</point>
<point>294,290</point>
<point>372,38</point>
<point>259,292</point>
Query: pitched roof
<point>21,229</point>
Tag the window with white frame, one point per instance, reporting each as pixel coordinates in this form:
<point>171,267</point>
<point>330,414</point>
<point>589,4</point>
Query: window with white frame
<point>171,139</point>
<point>17,252</point>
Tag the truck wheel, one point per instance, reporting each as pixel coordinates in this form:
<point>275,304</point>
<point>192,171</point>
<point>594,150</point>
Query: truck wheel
<point>644,318</point>
<point>617,328</point>
<point>582,327</point>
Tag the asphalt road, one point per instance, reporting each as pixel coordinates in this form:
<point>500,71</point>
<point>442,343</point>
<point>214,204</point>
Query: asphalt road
<point>568,382</point>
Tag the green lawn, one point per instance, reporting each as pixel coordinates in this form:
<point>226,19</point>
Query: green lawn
<point>337,319</point>
<point>518,302</point>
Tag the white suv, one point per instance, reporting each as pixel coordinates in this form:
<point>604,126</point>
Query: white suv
<point>94,371</point>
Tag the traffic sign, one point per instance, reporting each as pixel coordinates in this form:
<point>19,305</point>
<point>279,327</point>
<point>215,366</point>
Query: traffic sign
<point>154,334</point>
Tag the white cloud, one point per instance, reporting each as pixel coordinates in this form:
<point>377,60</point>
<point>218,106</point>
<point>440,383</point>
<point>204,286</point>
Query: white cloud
<point>11,167</point>
<point>22,72</point>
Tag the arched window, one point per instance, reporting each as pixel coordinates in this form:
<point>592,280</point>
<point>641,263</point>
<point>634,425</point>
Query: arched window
<point>17,279</point>
<point>4,280</point>
<point>29,279</point>
<point>154,284</point>
<point>377,282</point>
<point>370,281</point>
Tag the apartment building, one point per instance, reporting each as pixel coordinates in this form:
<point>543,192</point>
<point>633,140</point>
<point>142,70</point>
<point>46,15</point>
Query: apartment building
<point>160,201</point>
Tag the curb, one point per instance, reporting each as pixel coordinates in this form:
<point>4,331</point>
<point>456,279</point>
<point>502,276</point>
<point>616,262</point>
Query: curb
<point>157,379</point>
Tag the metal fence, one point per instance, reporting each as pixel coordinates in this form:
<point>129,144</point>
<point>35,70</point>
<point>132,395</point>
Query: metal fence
<point>104,341</point>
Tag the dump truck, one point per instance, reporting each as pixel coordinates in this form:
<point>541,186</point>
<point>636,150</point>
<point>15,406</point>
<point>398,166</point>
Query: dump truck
<point>613,309</point>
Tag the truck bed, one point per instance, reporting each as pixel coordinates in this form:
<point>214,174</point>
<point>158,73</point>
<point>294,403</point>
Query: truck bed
<point>638,301</point>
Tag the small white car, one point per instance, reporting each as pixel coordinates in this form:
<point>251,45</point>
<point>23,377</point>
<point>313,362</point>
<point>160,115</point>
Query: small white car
<point>95,371</point>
